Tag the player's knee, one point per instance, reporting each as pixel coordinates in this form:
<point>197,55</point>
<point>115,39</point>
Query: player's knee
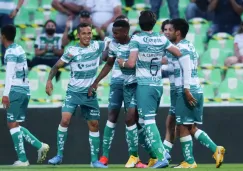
<point>130,120</point>
<point>193,129</point>
<point>65,122</point>
<point>93,126</point>
<point>113,115</point>
<point>13,125</point>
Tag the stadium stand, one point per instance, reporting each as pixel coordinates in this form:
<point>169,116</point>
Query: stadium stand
<point>31,18</point>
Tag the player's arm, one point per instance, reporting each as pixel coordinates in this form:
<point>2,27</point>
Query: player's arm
<point>49,87</point>
<point>185,63</point>
<point>173,50</point>
<point>104,72</point>
<point>66,58</point>
<point>131,62</point>
<point>10,71</point>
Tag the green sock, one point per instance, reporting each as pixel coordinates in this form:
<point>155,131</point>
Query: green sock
<point>187,148</point>
<point>145,143</point>
<point>61,139</point>
<point>205,140</point>
<point>30,138</point>
<point>168,146</point>
<point>132,140</point>
<point>108,137</point>
<point>18,143</point>
<point>94,141</point>
<point>155,139</point>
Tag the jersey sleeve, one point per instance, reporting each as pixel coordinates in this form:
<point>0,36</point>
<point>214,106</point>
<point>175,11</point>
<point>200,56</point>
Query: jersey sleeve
<point>134,44</point>
<point>11,61</point>
<point>111,50</point>
<point>166,42</point>
<point>102,46</point>
<point>68,54</point>
<point>10,57</point>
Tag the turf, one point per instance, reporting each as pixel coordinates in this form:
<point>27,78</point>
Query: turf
<point>201,167</point>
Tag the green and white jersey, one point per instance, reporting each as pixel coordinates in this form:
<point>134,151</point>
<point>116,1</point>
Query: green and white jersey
<point>84,63</point>
<point>170,69</point>
<point>116,74</point>
<point>188,51</point>
<point>52,42</point>
<point>7,6</point>
<point>16,70</point>
<point>151,48</point>
<point>117,50</point>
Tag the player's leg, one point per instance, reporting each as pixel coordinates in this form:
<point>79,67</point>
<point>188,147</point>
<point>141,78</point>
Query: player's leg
<point>184,121</point>
<point>68,108</point>
<point>131,124</point>
<point>115,103</point>
<point>13,119</point>
<point>30,138</point>
<point>147,101</point>
<point>170,134</point>
<point>201,136</point>
<point>91,113</point>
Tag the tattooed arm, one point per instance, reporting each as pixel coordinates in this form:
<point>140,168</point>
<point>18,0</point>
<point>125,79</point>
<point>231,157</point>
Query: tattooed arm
<point>49,87</point>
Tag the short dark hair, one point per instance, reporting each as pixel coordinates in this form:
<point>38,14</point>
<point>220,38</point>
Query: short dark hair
<point>121,17</point>
<point>9,31</point>
<point>164,23</point>
<point>181,25</point>
<point>50,21</point>
<point>121,23</point>
<point>82,25</point>
<point>147,20</point>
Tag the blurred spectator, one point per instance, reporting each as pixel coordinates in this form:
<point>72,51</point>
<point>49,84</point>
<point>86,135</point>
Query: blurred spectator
<point>67,9</point>
<point>104,12</point>
<point>129,3</point>
<point>70,35</point>
<point>199,8</point>
<point>238,49</point>
<point>8,11</point>
<point>173,7</point>
<point>48,47</point>
<point>227,16</point>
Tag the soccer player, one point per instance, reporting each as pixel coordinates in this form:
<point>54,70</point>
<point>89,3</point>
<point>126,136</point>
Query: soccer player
<point>119,47</point>
<point>16,97</point>
<point>84,61</point>
<point>170,134</point>
<point>115,97</point>
<point>189,98</point>
<point>146,52</point>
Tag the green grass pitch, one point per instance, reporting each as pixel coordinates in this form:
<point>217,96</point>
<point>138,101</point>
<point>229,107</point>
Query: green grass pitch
<point>201,167</point>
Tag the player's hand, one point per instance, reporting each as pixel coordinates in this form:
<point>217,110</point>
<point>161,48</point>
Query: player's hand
<point>120,62</point>
<point>92,89</point>
<point>49,87</point>
<point>190,99</point>
<point>5,102</point>
<point>13,13</point>
<point>164,61</point>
